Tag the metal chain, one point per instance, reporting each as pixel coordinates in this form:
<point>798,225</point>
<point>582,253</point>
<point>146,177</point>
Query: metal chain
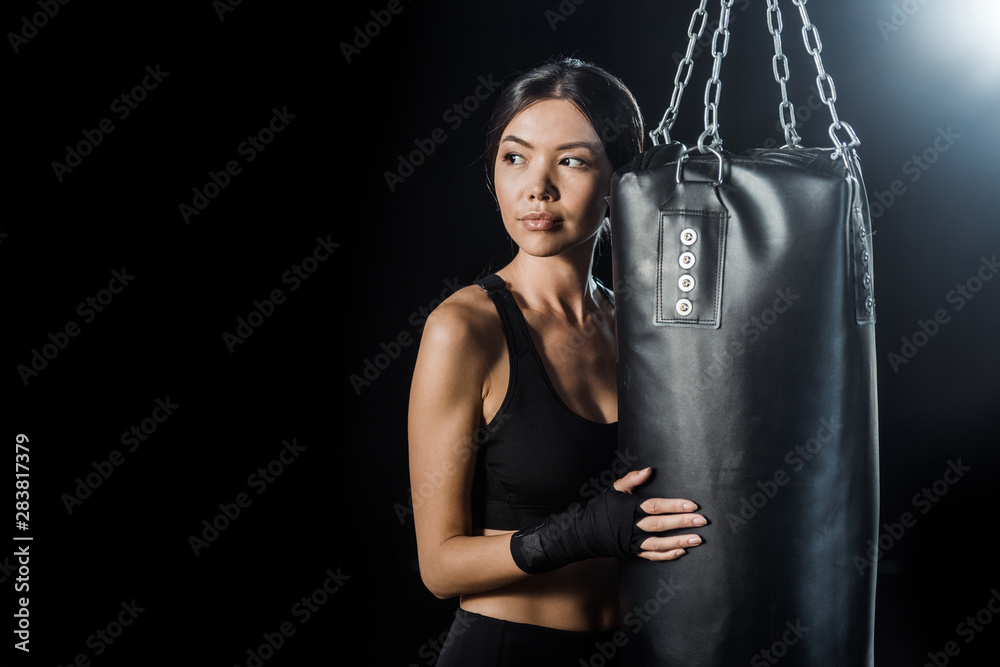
<point>786,110</point>
<point>713,89</point>
<point>825,85</point>
<point>683,76</point>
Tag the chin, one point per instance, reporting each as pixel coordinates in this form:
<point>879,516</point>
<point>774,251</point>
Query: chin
<point>548,247</point>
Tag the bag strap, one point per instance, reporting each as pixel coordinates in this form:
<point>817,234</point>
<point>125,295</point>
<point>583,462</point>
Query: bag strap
<point>713,88</point>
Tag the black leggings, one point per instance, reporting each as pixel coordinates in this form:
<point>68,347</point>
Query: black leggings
<point>481,641</point>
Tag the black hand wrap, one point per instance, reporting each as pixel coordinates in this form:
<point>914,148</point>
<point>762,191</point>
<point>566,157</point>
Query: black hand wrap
<point>603,527</point>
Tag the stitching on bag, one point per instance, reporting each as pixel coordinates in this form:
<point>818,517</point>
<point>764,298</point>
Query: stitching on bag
<point>658,313</point>
<point>722,220</point>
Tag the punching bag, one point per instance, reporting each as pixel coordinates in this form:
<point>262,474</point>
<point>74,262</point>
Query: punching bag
<point>746,378</point>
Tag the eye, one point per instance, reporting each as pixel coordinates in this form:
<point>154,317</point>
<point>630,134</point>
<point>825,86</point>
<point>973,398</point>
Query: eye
<point>513,158</point>
<point>574,162</point>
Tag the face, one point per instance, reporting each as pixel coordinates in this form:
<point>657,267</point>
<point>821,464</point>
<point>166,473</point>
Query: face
<point>551,177</point>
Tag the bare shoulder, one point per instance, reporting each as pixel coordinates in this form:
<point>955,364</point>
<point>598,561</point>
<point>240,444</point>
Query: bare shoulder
<point>466,321</point>
<point>460,344</point>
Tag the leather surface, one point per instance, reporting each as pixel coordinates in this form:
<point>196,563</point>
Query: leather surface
<point>759,404</point>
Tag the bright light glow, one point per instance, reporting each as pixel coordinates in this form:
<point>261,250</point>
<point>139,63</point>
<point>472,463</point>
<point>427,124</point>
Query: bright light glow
<point>960,36</point>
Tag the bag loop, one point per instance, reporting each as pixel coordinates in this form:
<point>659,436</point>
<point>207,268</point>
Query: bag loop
<point>684,156</point>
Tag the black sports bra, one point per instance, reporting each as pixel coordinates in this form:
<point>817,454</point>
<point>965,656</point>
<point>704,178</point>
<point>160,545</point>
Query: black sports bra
<point>537,456</point>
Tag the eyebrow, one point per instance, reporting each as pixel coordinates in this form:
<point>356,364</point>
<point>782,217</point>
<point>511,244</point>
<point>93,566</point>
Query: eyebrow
<point>573,144</point>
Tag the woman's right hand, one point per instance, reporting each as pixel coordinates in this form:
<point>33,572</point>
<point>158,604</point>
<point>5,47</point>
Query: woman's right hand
<point>665,514</point>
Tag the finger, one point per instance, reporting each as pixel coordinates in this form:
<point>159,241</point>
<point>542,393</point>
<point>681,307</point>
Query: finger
<point>669,544</point>
<point>657,523</point>
<point>667,505</point>
<point>660,556</point>
<point>633,479</point>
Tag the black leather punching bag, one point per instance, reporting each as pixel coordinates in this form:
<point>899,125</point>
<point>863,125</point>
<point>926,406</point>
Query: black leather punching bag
<point>745,318</point>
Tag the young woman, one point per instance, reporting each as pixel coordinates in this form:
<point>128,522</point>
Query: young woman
<point>513,406</point>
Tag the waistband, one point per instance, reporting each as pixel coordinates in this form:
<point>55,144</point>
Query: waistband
<point>476,640</point>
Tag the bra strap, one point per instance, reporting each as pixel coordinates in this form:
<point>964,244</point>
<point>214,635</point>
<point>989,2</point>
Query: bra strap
<point>510,314</point>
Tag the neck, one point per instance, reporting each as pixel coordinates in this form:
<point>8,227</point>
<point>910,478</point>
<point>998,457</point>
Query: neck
<point>560,284</point>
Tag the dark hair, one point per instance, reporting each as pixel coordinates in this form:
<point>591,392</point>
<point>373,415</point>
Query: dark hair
<point>600,96</point>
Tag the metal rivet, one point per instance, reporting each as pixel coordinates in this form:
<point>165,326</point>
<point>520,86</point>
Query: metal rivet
<point>686,260</point>
<point>864,233</point>
<point>864,257</point>
<point>683,307</point>
<point>686,282</point>
<point>867,280</point>
<point>870,303</point>
<point>689,236</point>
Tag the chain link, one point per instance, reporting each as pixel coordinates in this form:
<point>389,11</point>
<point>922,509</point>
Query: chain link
<point>825,85</point>
<point>713,89</point>
<point>786,110</point>
<point>683,76</point>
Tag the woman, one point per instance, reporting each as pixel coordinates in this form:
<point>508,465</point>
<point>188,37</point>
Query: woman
<point>513,406</point>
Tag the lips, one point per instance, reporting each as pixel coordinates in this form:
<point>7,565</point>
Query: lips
<point>537,222</point>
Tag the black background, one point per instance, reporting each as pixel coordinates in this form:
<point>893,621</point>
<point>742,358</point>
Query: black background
<point>342,505</point>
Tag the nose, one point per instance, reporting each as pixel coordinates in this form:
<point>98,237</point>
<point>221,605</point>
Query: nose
<point>540,186</point>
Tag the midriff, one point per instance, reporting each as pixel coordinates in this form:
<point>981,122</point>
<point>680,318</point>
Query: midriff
<point>581,597</point>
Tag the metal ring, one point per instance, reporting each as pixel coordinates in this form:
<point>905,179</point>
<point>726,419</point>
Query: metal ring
<point>683,156</point>
<point>853,141</point>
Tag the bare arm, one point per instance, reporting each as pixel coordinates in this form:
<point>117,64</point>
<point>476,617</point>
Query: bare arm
<point>445,413</point>
<point>446,400</point>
